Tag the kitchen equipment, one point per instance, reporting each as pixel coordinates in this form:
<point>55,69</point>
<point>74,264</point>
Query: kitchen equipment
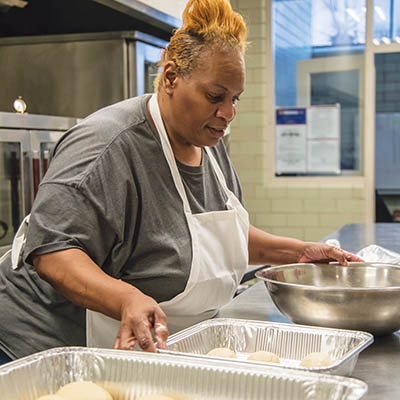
<point>60,75</point>
<point>291,343</point>
<point>25,144</point>
<point>130,375</point>
<point>360,296</point>
<point>77,74</point>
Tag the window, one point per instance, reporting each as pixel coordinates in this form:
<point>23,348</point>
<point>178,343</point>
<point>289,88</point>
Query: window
<point>338,23</point>
<point>317,59</point>
<point>386,21</point>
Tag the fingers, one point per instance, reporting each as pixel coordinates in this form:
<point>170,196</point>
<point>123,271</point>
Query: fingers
<point>354,258</point>
<point>124,344</point>
<point>339,255</point>
<point>125,341</point>
<point>160,334</point>
<point>139,333</point>
<point>317,252</point>
<point>344,257</point>
<point>144,338</point>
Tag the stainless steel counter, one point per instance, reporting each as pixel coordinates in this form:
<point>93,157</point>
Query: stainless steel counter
<point>354,237</point>
<point>379,364</point>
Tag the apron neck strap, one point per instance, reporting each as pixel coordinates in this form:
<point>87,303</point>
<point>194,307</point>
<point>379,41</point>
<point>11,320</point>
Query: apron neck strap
<point>167,149</point>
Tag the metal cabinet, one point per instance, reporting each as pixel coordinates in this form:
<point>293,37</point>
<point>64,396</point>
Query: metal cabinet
<point>25,145</point>
<point>76,74</point>
<point>60,75</point>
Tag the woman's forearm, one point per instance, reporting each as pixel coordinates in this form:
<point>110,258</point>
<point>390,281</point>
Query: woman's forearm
<point>265,248</point>
<point>73,273</point>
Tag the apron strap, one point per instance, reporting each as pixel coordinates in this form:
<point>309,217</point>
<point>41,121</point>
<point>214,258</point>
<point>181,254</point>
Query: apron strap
<point>217,170</point>
<point>169,154</point>
<point>19,243</point>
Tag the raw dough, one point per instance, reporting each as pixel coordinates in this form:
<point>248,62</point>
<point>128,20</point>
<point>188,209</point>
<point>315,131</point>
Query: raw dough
<point>51,397</point>
<point>316,359</point>
<point>83,390</point>
<point>265,356</point>
<point>222,352</point>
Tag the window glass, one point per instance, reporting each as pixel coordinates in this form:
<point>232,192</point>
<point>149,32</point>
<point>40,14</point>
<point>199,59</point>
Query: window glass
<point>318,46</point>
<point>396,20</point>
<point>338,22</point>
<point>386,21</point>
<point>387,124</point>
<point>341,87</point>
<point>342,22</point>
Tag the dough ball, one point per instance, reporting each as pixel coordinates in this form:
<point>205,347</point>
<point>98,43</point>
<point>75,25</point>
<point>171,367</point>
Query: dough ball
<point>316,359</point>
<point>83,391</point>
<point>51,397</point>
<point>265,356</point>
<point>222,352</point>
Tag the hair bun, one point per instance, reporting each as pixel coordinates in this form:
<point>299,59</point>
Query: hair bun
<point>207,25</point>
<point>214,19</point>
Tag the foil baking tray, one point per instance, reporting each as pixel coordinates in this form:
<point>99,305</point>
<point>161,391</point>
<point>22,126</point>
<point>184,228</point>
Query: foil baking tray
<point>291,343</point>
<point>132,374</point>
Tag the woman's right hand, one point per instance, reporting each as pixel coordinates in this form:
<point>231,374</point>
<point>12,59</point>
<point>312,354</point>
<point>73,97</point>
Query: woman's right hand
<point>143,322</point>
<point>73,273</point>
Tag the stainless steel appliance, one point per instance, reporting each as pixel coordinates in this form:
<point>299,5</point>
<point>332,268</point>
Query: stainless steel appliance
<point>25,144</point>
<point>76,74</point>
<point>60,75</point>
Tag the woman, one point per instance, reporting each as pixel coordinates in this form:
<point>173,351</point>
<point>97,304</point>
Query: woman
<point>139,217</point>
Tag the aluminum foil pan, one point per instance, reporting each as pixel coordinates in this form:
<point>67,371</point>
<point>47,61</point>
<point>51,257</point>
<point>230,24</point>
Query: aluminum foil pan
<point>130,375</point>
<point>291,343</point>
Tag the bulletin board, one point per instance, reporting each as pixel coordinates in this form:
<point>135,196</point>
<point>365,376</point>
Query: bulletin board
<point>308,140</point>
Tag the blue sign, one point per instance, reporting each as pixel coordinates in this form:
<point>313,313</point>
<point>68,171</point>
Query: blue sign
<point>291,116</point>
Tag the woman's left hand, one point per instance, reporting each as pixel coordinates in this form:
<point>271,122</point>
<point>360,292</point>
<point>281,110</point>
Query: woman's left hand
<point>320,252</point>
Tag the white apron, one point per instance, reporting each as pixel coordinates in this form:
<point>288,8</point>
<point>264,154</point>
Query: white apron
<point>17,244</point>
<point>219,257</point>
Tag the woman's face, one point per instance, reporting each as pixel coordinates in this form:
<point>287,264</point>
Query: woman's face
<point>202,105</point>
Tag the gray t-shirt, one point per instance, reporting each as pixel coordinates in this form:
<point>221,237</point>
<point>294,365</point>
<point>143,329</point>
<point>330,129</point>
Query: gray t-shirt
<point>109,192</point>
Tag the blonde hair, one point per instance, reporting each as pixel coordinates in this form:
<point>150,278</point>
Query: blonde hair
<point>207,25</point>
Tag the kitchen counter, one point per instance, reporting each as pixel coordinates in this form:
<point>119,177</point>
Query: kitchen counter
<point>378,365</point>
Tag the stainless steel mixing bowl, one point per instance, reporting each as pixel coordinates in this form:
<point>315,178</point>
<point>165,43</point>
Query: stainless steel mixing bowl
<point>361,296</point>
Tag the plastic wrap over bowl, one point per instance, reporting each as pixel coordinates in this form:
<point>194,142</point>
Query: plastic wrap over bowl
<point>360,296</point>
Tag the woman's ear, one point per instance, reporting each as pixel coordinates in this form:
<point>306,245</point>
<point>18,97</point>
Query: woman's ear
<point>170,74</point>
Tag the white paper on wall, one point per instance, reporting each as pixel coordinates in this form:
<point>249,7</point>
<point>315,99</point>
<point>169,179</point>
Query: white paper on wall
<point>308,140</point>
